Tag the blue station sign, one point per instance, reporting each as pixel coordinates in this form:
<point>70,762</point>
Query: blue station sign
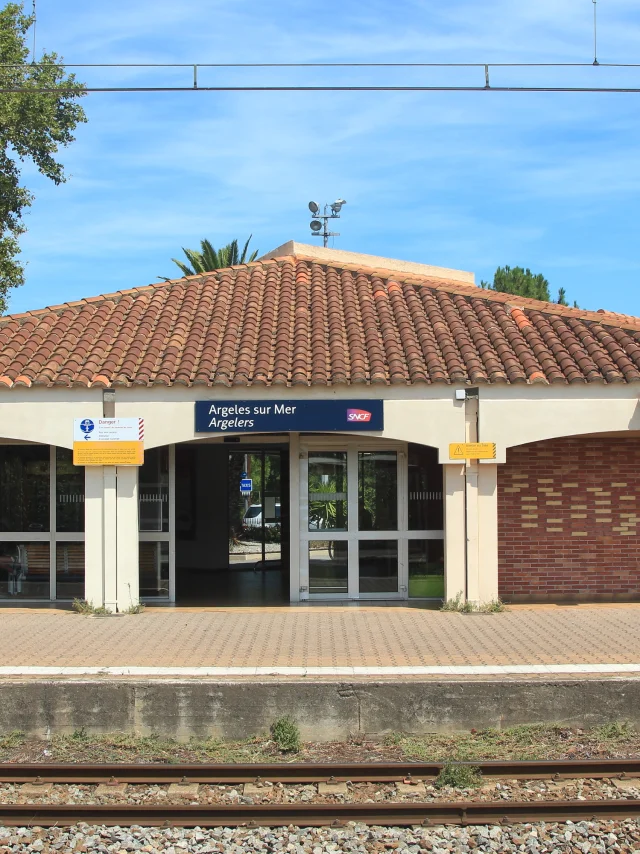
<point>284,416</point>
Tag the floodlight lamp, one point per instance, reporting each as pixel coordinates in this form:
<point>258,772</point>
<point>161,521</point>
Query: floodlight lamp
<point>314,207</point>
<point>315,225</point>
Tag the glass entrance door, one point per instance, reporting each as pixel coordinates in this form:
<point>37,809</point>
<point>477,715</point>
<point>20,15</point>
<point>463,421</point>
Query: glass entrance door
<point>371,525</point>
<point>255,510</point>
<point>352,525</point>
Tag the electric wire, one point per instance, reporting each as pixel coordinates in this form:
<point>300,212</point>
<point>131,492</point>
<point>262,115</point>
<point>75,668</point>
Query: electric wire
<point>96,89</point>
<point>486,66</point>
<point>327,65</point>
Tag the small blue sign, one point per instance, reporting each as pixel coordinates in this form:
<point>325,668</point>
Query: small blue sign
<point>284,416</point>
<point>246,486</point>
<point>87,426</point>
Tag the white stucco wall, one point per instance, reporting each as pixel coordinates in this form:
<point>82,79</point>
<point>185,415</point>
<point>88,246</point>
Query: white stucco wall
<point>508,416</point>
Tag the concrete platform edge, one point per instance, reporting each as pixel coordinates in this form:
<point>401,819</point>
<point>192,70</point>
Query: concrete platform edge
<point>325,710</point>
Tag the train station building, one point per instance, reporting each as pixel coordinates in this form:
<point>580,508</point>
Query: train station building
<point>305,420</point>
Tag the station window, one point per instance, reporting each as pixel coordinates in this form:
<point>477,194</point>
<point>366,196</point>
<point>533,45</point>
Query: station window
<point>426,569</point>
<point>69,570</point>
<point>378,566</point>
<point>24,488</point>
<point>378,491</point>
<point>328,566</point>
<point>154,524</point>
<point>24,570</point>
<point>153,490</point>
<point>154,569</point>
<point>41,523</point>
<point>69,492</point>
<point>328,491</point>
<point>425,489</point>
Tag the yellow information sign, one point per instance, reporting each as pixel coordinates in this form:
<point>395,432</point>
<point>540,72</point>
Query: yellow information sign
<point>108,453</point>
<point>472,451</point>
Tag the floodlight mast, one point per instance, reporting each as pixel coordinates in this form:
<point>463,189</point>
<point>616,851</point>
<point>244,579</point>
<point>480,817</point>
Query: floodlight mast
<point>321,228</point>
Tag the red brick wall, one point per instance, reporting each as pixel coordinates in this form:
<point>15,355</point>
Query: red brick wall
<point>567,517</point>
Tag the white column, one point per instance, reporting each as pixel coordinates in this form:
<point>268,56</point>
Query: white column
<point>294,517</point>
<point>473,540</point>
<point>454,531</point>
<point>110,534</point>
<point>93,535</point>
<point>488,531</point>
<point>127,583</point>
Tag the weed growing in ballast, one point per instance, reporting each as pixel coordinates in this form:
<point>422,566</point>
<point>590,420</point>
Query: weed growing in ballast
<point>458,777</point>
<point>286,735</point>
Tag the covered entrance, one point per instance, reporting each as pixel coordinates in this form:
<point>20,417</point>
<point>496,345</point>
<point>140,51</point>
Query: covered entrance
<point>203,541</point>
<point>232,545</point>
<point>218,522</point>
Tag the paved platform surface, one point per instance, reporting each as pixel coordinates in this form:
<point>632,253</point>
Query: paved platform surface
<point>330,640</point>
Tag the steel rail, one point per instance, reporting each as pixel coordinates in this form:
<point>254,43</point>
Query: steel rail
<point>301,815</point>
<point>300,772</point>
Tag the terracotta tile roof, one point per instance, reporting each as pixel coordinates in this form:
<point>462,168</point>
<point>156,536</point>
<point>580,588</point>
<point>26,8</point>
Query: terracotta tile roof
<point>295,321</point>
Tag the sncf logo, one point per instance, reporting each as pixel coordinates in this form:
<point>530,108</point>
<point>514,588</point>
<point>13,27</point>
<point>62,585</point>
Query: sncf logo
<point>358,415</point>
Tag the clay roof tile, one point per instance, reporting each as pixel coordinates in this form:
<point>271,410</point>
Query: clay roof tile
<point>295,320</point>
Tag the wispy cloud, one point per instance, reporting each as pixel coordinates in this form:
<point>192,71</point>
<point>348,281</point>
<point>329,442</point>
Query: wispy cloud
<point>468,181</point>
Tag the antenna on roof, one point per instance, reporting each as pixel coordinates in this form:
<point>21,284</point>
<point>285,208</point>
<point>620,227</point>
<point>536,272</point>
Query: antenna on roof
<point>321,229</point>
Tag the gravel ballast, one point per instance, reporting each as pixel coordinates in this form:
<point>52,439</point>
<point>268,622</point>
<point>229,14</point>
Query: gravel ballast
<point>278,793</point>
<point>587,837</point>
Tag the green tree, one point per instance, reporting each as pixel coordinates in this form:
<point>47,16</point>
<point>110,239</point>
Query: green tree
<point>208,258</point>
<point>35,121</point>
<point>517,280</point>
<point>522,282</point>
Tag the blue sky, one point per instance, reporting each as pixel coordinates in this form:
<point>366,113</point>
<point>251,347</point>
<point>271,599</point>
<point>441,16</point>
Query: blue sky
<point>465,180</point>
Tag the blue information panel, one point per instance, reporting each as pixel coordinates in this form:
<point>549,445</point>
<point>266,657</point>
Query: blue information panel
<point>246,486</point>
<point>284,416</point>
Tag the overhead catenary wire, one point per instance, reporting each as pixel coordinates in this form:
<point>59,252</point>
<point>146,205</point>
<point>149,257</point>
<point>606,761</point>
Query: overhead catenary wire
<point>325,65</point>
<point>33,90</point>
<point>195,67</point>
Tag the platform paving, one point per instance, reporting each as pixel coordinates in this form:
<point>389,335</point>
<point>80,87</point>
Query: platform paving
<point>331,640</point>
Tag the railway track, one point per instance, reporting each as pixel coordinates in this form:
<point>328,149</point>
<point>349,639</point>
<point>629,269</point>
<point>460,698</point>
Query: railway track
<point>317,815</point>
<point>299,772</point>
<point>390,813</point>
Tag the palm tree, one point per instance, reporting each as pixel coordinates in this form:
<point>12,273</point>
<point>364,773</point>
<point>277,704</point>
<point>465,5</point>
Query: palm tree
<point>209,259</point>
